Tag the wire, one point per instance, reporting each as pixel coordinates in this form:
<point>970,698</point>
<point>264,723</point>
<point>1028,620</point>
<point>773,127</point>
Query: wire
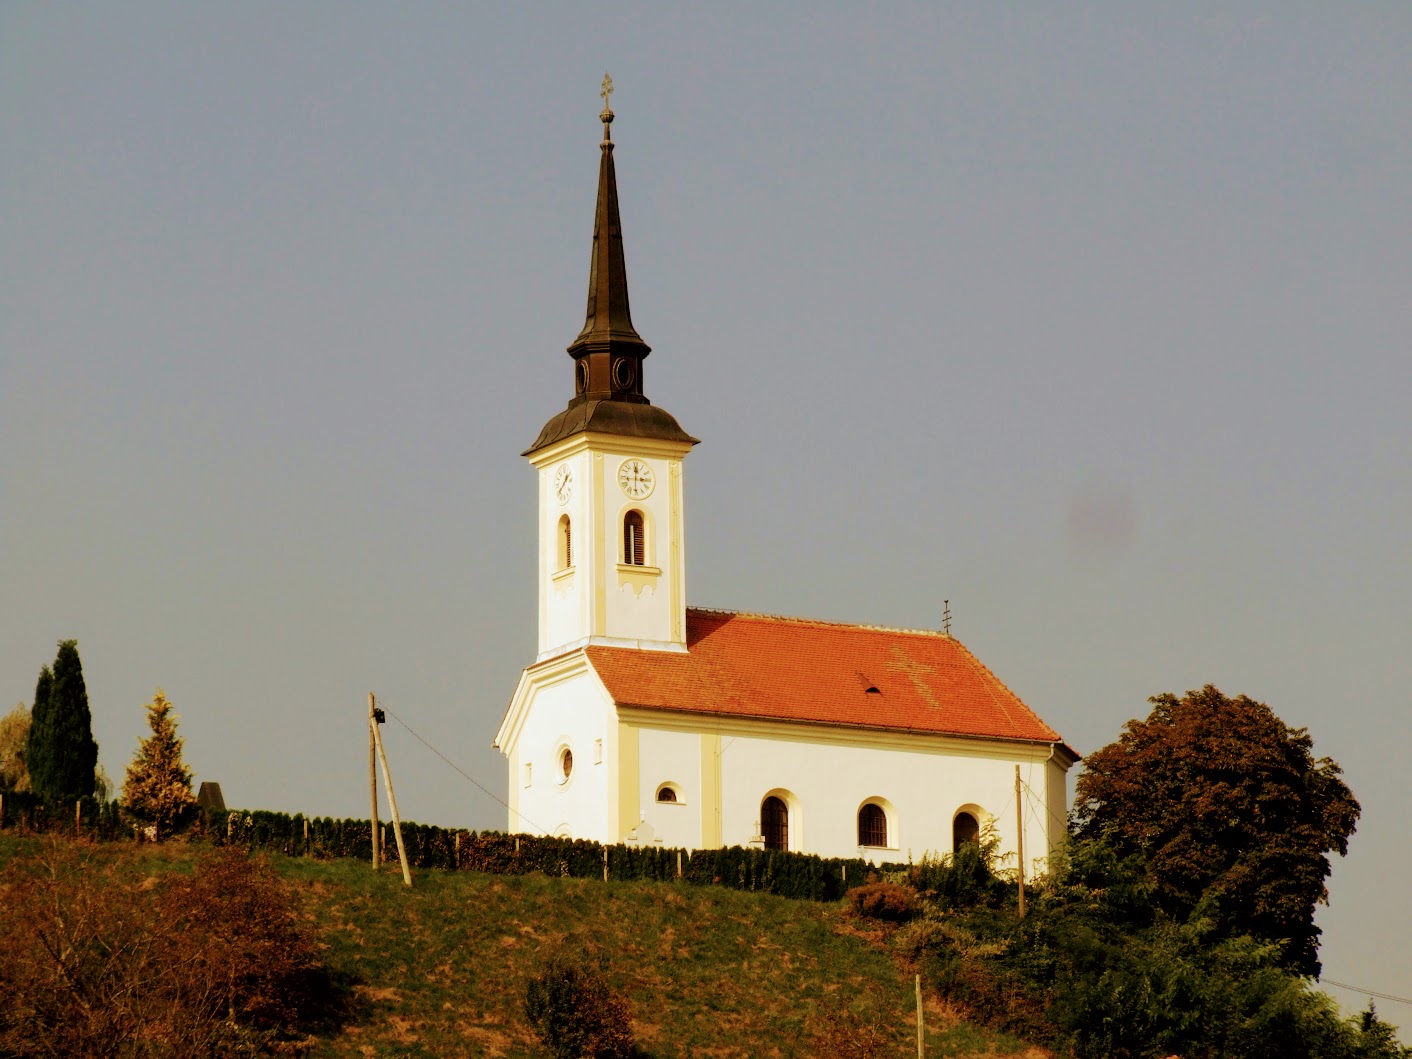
<point>466,775</point>
<point>1367,992</point>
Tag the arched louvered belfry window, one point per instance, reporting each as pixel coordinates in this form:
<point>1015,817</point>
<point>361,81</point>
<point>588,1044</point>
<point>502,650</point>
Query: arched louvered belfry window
<point>872,826</point>
<point>774,823</point>
<point>965,828</point>
<point>634,539</point>
<point>566,543</point>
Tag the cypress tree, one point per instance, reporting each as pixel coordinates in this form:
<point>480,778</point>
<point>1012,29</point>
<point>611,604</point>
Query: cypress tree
<point>61,753</point>
<point>38,724</point>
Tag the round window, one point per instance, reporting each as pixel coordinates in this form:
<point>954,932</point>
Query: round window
<point>566,761</point>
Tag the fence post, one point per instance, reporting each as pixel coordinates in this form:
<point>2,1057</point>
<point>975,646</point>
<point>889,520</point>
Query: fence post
<point>457,863</point>
<point>605,863</point>
<point>919,1017</point>
<point>306,836</point>
<point>678,864</point>
<point>78,817</point>
<point>2,811</point>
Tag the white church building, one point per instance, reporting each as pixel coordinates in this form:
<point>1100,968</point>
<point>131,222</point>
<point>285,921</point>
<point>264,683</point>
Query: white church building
<point>644,720</point>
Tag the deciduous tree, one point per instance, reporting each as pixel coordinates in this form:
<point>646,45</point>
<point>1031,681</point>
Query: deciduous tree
<point>14,736</point>
<point>1224,804</point>
<point>157,789</point>
<point>60,753</point>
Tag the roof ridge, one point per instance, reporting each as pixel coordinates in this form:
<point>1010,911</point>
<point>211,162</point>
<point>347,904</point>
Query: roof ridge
<point>937,633</point>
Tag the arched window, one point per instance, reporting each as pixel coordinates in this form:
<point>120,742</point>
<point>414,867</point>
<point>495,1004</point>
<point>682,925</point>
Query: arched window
<point>872,826</point>
<point>634,542</point>
<point>566,543</point>
<point>965,828</point>
<point>666,793</point>
<point>774,823</point>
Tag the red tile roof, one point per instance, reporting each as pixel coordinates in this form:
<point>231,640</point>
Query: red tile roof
<point>751,665</point>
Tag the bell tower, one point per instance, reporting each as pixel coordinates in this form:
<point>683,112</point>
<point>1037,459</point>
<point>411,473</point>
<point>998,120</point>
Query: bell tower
<point>611,555</point>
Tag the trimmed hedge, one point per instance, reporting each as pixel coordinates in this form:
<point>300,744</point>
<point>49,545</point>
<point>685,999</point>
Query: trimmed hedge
<point>97,819</point>
<point>798,875</point>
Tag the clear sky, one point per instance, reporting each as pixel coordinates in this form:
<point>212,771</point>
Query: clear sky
<point>1096,321</point>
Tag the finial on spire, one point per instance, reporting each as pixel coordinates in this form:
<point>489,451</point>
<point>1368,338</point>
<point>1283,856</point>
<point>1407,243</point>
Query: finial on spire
<point>607,116</point>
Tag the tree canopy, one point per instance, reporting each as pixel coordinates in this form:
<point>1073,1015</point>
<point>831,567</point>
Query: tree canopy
<point>157,789</point>
<point>1224,806</point>
<point>60,752</point>
<point>14,736</point>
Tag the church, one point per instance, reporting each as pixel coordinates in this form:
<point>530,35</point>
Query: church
<point>643,720</point>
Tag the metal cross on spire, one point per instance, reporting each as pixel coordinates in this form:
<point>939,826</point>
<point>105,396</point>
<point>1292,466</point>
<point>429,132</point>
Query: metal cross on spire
<point>607,116</point>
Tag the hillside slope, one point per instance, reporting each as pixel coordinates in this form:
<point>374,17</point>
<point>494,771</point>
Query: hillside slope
<point>441,969</point>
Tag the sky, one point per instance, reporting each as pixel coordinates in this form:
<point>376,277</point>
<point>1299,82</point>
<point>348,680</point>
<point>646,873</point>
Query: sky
<point>1092,320</point>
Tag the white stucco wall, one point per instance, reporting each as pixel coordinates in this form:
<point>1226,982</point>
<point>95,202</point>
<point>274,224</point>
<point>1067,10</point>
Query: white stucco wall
<point>573,714</point>
<point>921,788</point>
<point>667,757</point>
<point>600,596</point>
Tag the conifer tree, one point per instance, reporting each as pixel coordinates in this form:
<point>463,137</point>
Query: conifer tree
<point>61,754</point>
<point>157,789</point>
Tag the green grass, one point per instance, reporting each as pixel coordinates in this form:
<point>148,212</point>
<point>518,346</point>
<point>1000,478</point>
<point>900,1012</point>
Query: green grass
<point>440,970</point>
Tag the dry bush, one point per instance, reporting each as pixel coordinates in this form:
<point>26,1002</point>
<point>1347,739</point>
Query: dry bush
<point>574,1011</point>
<point>96,964</point>
<point>843,1034</point>
<point>888,902</point>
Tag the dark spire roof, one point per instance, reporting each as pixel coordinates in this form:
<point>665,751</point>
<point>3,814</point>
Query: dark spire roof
<point>608,353</point>
<point>608,322</point>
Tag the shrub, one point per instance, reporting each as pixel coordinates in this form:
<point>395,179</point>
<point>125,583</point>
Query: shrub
<point>94,963</point>
<point>964,879</point>
<point>886,901</point>
<point>575,1013</point>
<point>843,1034</point>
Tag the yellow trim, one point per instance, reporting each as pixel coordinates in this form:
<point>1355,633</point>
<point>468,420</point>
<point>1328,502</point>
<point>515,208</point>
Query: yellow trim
<point>629,781</point>
<point>600,551</point>
<point>710,790</point>
<point>837,735</point>
<point>676,582</point>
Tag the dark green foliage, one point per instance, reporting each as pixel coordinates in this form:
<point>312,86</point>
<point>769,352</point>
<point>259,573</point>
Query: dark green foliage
<point>1222,801</point>
<point>963,879</point>
<point>797,875</point>
<point>575,1013</point>
<point>61,754</point>
<point>889,902</point>
<point>1098,969</point>
<point>97,819</point>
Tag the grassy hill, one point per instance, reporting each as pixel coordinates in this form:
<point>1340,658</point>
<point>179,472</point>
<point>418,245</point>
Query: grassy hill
<point>441,969</point>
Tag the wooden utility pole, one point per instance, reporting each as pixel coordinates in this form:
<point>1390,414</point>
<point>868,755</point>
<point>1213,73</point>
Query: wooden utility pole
<point>1020,838</point>
<point>373,777</point>
<point>392,800</point>
<point>921,1031</point>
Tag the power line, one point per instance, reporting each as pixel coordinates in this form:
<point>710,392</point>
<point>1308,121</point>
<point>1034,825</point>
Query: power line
<point>465,775</point>
<point>1366,992</point>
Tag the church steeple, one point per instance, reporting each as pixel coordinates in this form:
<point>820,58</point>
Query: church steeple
<point>608,352</point>
<point>608,340</point>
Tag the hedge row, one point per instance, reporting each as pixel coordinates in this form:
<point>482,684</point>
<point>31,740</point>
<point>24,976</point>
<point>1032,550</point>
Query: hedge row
<point>797,875</point>
<point>95,818</point>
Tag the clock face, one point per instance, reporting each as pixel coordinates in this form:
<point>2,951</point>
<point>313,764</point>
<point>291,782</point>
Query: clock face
<point>564,483</point>
<point>636,479</point>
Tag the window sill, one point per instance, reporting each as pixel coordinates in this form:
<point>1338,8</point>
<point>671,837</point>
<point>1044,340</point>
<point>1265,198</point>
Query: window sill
<point>559,575</point>
<point>650,571</point>
<point>883,849</point>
